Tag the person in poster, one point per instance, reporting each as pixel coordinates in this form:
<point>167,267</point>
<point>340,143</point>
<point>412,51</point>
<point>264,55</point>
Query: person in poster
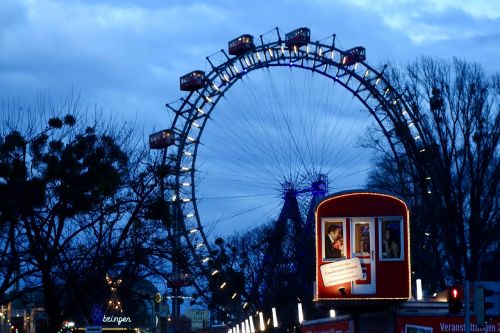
<point>391,241</point>
<point>333,241</point>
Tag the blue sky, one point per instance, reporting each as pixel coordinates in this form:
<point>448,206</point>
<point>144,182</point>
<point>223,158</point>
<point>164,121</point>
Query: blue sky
<point>126,56</point>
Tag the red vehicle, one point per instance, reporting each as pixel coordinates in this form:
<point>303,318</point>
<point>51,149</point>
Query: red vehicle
<point>363,247</point>
<point>298,37</point>
<point>354,55</point>
<point>241,44</point>
<point>192,81</point>
<point>161,139</point>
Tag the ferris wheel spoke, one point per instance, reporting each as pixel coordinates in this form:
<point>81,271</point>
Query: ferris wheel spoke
<point>271,117</point>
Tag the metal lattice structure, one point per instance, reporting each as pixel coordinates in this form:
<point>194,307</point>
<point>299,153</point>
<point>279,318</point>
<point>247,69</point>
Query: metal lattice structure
<point>366,83</point>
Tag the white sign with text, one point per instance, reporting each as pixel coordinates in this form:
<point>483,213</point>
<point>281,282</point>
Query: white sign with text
<point>341,272</point>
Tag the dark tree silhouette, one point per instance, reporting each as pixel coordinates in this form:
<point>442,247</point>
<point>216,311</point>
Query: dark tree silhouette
<point>261,272</point>
<point>73,200</point>
<point>452,183</point>
<point>226,284</point>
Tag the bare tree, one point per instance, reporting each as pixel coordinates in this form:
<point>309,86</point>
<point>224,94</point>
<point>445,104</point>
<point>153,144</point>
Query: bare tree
<point>452,182</point>
<point>260,269</point>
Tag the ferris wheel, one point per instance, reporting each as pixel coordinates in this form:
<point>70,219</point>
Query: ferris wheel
<point>277,114</point>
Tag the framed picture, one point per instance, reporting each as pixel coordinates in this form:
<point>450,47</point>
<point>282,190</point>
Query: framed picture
<point>334,247</point>
<point>391,243</point>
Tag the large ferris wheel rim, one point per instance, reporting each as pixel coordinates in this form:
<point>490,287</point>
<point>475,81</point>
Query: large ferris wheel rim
<point>193,111</point>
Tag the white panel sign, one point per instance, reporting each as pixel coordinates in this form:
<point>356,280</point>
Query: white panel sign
<point>341,272</point>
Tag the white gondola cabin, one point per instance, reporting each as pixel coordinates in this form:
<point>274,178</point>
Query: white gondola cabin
<point>354,55</point>
<point>161,139</point>
<point>192,81</point>
<point>362,253</point>
<point>298,37</point>
<point>241,44</point>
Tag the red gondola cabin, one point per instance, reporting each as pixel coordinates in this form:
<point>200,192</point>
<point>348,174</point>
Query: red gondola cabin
<point>354,55</point>
<point>241,44</point>
<point>299,37</point>
<point>192,81</point>
<point>161,139</point>
<point>362,253</point>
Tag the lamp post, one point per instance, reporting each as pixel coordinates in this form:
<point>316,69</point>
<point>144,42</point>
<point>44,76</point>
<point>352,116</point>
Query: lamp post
<point>275,318</point>
<point>301,313</point>
<point>262,325</point>
<point>252,326</point>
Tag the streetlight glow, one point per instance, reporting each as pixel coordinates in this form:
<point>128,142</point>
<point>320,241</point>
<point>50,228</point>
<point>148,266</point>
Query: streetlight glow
<point>262,325</point>
<point>275,318</point>
<point>252,326</point>
<point>301,314</point>
<point>419,290</point>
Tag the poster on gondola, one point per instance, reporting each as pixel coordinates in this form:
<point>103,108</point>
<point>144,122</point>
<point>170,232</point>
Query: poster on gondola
<point>336,273</point>
<point>333,235</point>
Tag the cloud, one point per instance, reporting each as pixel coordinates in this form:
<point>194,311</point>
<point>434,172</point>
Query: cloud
<point>127,55</point>
<point>12,14</point>
<point>430,21</point>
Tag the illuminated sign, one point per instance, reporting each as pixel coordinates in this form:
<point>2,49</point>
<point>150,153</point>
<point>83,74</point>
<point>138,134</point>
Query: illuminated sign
<point>443,324</point>
<point>341,272</point>
<point>118,320</point>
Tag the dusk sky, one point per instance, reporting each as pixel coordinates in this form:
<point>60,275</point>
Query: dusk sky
<point>127,56</point>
